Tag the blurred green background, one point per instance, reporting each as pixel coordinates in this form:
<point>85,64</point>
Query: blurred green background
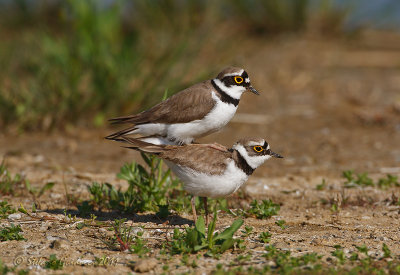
<point>81,62</point>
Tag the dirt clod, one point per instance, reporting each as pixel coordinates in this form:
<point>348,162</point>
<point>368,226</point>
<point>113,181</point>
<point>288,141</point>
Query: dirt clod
<point>145,265</point>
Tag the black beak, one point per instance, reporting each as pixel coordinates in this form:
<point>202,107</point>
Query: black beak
<point>254,91</point>
<point>272,154</point>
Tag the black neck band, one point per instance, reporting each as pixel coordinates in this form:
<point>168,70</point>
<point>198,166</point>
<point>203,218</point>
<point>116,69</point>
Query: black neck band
<point>242,163</point>
<point>224,96</point>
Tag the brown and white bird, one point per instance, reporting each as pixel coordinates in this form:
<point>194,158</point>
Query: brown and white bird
<point>206,171</point>
<point>197,111</point>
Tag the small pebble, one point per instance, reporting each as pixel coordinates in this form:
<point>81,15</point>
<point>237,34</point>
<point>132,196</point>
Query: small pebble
<point>15,216</point>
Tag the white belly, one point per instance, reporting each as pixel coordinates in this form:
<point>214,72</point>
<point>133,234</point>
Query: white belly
<point>213,186</point>
<point>219,116</point>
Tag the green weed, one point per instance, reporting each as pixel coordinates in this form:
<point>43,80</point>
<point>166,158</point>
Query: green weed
<point>126,241</point>
<point>386,251</point>
<point>352,180</point>
<point>195,239</point>
<point>389,181</point>
<point>363,180</point>
<point>265,237</point>
<point>9,233</point>
<point>4,269</point>
<point>285,263</point>
<point>6,209</point>
<point>281,224</point>
<point>9,183</point>
<point>263,210</point>
<point>282,262</point>
<point>248,230</point>
<point>53,263</point>
<point>321,186</point>
<point>339,254</point>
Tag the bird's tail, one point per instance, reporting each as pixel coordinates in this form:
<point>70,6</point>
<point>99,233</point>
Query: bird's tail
<point>117,136</point>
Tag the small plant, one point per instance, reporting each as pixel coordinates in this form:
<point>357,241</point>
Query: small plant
<point>263,210</point>
<point>9,183</point>
<point>335,208</point>
<point>321,186</point>
<point>361,180</point>
<point>287,264</point>
<point>386,251</point>
<point>364,180</point>
<point>248,230</point>
<point>139,246</point>
<point>241,259</point>
<point>147,190</point>
<point>389,181</point>
<point>195,238</point>
<point>126,241</point>
<point>54,263</point>
<point>10,233</point>
<point>363,249</point>
<point>281,223</point>
<point>339,254</point>
<point>6,209</point>
<point>265,237</point>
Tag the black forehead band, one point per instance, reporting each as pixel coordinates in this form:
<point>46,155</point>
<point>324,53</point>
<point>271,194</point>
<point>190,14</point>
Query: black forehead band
<point>245,75</point>
<point>265,145</point>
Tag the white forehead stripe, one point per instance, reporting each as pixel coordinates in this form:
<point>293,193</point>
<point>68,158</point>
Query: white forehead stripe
<point>247,80</point>
<point>236,73</point>
<point>255,143</point>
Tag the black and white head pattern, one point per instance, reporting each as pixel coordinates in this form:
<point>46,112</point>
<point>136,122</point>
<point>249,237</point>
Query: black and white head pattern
<point>255,151</point>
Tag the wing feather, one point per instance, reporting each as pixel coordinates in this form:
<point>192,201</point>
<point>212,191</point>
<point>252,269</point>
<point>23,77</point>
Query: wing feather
<point>190,104</point>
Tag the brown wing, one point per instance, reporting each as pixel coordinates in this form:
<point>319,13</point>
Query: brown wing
<point>190,104</point>
<point>198,156</point>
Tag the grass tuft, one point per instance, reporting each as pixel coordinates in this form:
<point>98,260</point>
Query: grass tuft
<point>264,209</point>
<point>195,239</point>
<point>9,233</point>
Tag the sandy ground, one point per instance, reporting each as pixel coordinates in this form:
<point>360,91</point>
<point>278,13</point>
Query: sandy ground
<point>326,105</point>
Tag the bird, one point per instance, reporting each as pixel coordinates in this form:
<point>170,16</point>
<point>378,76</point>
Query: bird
<point>206,171</point>
<point>194,112</point>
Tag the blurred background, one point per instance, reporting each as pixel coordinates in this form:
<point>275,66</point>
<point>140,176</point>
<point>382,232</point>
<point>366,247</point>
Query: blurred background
<point>328,72</point>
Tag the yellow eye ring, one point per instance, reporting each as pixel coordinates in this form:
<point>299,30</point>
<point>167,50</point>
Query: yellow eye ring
<point>258,149</point>
<point>238,79</point>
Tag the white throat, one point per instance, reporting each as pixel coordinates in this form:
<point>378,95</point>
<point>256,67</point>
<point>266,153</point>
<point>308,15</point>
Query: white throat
<point>253,161</point>
<point>233,91</point>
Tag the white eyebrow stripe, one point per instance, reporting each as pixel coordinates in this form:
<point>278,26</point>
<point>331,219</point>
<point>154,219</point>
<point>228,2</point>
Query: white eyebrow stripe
<point>254,143</point>
<point>239,73</point>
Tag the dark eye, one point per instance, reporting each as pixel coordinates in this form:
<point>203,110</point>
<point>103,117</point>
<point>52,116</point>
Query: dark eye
<point>238,79</point>
<point>258,149</point>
